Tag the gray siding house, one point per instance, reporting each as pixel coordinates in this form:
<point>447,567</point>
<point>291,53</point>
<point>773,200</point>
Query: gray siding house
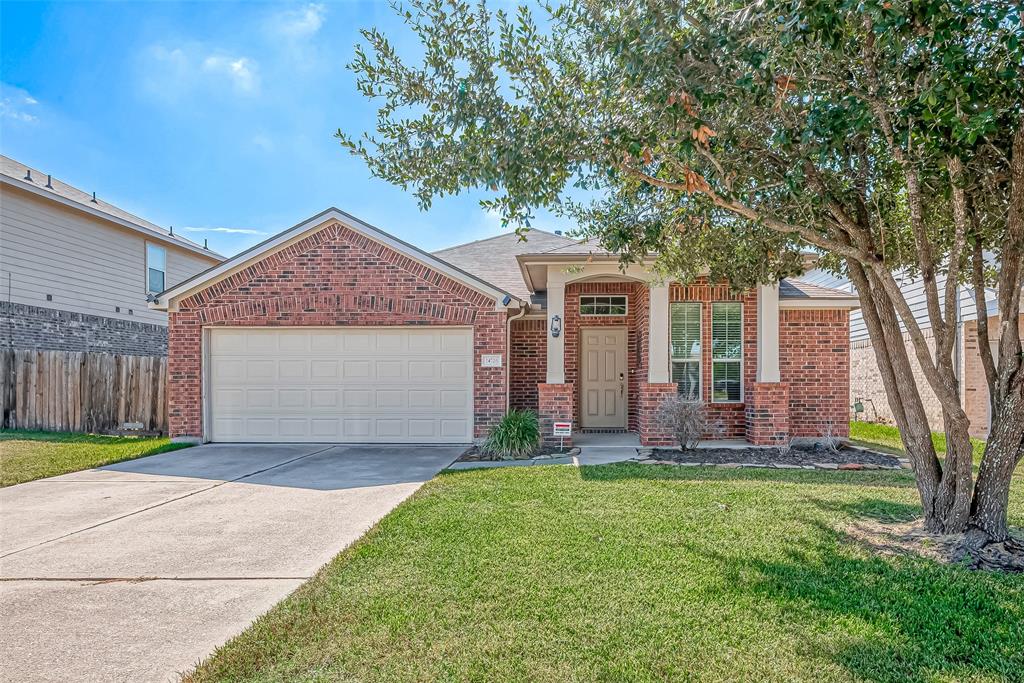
<point>76,271</point>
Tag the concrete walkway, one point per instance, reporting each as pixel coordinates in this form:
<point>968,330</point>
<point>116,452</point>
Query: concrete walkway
<point>136,571</point>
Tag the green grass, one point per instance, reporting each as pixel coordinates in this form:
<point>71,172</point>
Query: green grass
<point>26,455</point>
<point>638,573</point>
<point>888,438</point>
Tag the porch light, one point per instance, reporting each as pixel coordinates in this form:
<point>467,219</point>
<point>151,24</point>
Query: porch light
<point>556,325</point>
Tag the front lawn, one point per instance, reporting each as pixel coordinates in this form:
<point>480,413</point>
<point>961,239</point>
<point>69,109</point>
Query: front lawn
<point>888,437</point>
<point>25,455</point>
<point>637,572</point>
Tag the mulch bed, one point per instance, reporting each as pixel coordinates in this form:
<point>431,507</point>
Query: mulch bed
<point>816,457</point>
<point>474,454</point>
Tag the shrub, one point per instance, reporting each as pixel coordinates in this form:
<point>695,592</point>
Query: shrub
<point>687,420</point>
<point>516,436</point>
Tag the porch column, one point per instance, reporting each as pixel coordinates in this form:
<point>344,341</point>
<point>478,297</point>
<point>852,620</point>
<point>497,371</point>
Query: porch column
<point>768,333</point>
<point>658,337</point>
<point>556,345</point>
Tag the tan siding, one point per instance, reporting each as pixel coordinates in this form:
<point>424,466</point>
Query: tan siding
<point>88,265</point>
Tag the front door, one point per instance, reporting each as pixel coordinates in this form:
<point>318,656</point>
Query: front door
<point>603,372</point>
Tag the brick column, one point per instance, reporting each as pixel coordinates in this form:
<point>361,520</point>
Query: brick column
<point>767,413</point>
<point>554,403</point>
<point>649,398</point>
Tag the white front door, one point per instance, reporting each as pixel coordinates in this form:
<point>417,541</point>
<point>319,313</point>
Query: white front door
<point>603,378</point>
<point>341,384</point>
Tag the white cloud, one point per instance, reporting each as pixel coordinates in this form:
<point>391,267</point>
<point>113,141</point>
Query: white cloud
<point>241,71</point>
<point>16,104</point>
<point>232,231</point>
<point>173,72</point>
<point>299,23</point>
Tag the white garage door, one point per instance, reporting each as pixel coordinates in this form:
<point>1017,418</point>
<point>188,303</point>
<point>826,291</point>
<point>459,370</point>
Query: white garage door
<point>356,385</point>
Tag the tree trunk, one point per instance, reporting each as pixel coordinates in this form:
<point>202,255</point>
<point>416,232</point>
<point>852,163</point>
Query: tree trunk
<point>953,503</point>
<point>1003,451</point>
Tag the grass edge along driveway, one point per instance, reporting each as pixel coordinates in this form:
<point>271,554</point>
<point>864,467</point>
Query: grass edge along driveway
<point>638,573</point>
<point>28,455</point>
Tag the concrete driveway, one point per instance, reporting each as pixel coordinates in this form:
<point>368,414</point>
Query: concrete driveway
<point>135,571</point>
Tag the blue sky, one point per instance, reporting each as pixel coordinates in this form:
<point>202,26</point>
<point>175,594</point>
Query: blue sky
<point>213,117</point>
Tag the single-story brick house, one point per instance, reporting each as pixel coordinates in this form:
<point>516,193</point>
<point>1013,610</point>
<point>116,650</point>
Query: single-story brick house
<point>335,331</point>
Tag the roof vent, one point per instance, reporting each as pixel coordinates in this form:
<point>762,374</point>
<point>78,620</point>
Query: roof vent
<point>94,198</point>
<point>49,181</point>
<point>204,243</point>
<point>558,232</point>
<point>172,230</point>
<point>28,175</point>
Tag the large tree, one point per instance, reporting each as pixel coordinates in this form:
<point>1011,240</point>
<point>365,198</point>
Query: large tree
<point>886,135</point>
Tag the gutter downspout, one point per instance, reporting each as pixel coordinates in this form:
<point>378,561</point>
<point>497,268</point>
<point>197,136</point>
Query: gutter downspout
<point>508,350</point>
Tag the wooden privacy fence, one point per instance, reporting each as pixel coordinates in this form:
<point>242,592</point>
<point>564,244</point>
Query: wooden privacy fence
<point>72,391</point>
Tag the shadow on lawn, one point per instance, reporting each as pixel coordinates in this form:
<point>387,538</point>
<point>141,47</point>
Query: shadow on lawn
<point>629,471</point>
<point>907,619</point>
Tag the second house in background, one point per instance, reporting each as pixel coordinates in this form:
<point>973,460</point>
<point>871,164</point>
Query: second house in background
<point>76,272</point>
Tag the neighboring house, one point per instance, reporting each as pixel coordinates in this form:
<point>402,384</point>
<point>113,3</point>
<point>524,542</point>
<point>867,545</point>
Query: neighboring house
<point>76,272</point>
<point>865,379</point>
<point>336,331</point>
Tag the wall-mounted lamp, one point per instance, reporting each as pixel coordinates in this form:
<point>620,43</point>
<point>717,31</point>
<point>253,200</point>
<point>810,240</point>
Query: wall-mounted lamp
<point>556,326</point>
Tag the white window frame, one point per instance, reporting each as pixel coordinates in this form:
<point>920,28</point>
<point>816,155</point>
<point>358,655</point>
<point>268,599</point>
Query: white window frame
<point>625,305</point>
<point>699,360</point>
<point>737,361</point>
<point>153,245</point>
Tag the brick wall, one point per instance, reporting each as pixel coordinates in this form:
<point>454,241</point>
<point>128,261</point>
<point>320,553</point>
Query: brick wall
<point>333,277</point>
<point>866,382</point>
<point>574,321</point>
<point>767,413</point>
<point>528,352</point>
<point>555,403</point>
<point>649,400</point>
<point>34,327</point>
<point>730,416</point>
<point>975,386</point>
<point>814,361</point>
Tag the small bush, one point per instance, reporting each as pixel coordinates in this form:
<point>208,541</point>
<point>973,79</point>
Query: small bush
<point>687,420</point>
<point>516,436</point>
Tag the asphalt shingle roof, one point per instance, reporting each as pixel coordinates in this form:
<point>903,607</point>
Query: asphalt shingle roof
<point>493,259</point>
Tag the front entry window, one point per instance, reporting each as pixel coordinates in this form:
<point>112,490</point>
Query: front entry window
<point>602,305</point>
<point>727,352</point>
<point>685,342</point>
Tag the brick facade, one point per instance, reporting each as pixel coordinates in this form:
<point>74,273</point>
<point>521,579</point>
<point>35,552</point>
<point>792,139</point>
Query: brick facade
<point>866,383</point>
<point>574,322</point>
<point>767,414</point>
<point>333,277</point>
<point>554,402</point>
<point>975,386</point>
<point>648,400</point>
<point>814,366</point>
<point>731,417</point>
<point>814,360</point>
<point>34,327</point>
<point>527,354</point>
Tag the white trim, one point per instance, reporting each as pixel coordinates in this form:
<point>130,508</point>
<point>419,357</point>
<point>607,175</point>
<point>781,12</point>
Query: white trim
<point>556,345</point>
<point>167,299</point>
<point>740,360</point>
<point>659,330</point>
<point>625,304</point>
<point>99,213</point>
<point>162,248</point>
<point>768,333</point>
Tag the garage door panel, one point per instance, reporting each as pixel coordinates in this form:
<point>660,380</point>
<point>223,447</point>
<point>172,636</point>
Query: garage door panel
<point>341,384</point>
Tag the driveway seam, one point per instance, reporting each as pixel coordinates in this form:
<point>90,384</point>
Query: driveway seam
<point>162,503</point>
